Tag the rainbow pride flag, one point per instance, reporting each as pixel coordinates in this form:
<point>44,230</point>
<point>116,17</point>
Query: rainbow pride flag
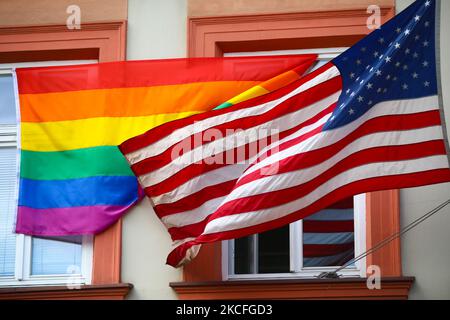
<point>73,178</point>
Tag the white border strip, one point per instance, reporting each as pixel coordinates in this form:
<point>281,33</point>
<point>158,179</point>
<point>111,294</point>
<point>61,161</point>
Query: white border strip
<point>18,135</point>
<point>439,74</point>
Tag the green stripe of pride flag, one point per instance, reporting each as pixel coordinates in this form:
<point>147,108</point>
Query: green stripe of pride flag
<point>73,164</point>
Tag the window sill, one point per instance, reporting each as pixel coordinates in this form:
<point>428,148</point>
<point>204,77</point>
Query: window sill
<point>86,292</point>
<point>351,288</point>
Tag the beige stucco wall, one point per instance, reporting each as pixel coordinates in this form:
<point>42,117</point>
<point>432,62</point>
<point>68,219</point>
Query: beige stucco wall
<point>157,29</point>
<point>35,12</point>
<point>145,246</point>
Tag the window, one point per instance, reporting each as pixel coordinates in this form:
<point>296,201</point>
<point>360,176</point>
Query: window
<point>26,260</point>
<point>303,249</point>
<point>306,248</point>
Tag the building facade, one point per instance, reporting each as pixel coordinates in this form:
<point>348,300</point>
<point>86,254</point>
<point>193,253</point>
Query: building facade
<point>133,252</point>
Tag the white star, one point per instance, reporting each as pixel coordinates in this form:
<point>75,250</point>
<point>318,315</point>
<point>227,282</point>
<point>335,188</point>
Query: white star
<point>398,30</point>
<point>352,75</point>
<point>376,54</point>
<point>427,24</point>
<point>379,90</point>
<point>397,45</point>
<point>385,90</point>
<point>369,86</point>
<point>427,4</point>
<point>379,73</point>
<point>370,103</point>
<point>358,62</point>
<point>417,37</point>
<point>388,59</point>
<point>398,64</point>
<point>381,40</point>
<point>417,18</point>
<point>407,32</point>
<point>405,86</point>
<point>426,43</point>
<point>407,51</point>
<point>388,77</point>
<point>394,79</point>
<point>405,67</point>
<point>351,111</point>
<point>360,99</point>
<point>415,55</point>
<point>415,75</point>
<point>426,84</point>
<point>363,49</point>
<point>425,64</point>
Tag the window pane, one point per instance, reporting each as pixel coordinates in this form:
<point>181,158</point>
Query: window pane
<point>243,255</point>
<point>8,179</point>
<point>271,256</point>
<point>51,256</point>
<point>273,251</point>
<point>328,236</point>
<point>7,105</point>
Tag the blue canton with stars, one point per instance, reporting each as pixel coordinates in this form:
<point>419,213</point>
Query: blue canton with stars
<point>397,61</point>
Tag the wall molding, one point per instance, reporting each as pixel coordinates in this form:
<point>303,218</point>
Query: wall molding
<point>290,16</point>
<point>109,38</point>
<point>281,29</point>
<point>318,289</point>
<point>201,8</point>
<point>87,292</point>
<point>93,26</point>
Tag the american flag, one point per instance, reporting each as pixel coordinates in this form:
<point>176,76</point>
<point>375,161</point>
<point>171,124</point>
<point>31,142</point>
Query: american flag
<point>369,120</point>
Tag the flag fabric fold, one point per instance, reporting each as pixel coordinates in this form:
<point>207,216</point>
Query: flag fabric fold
<point>369,120</point>
<point>73,178</point>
